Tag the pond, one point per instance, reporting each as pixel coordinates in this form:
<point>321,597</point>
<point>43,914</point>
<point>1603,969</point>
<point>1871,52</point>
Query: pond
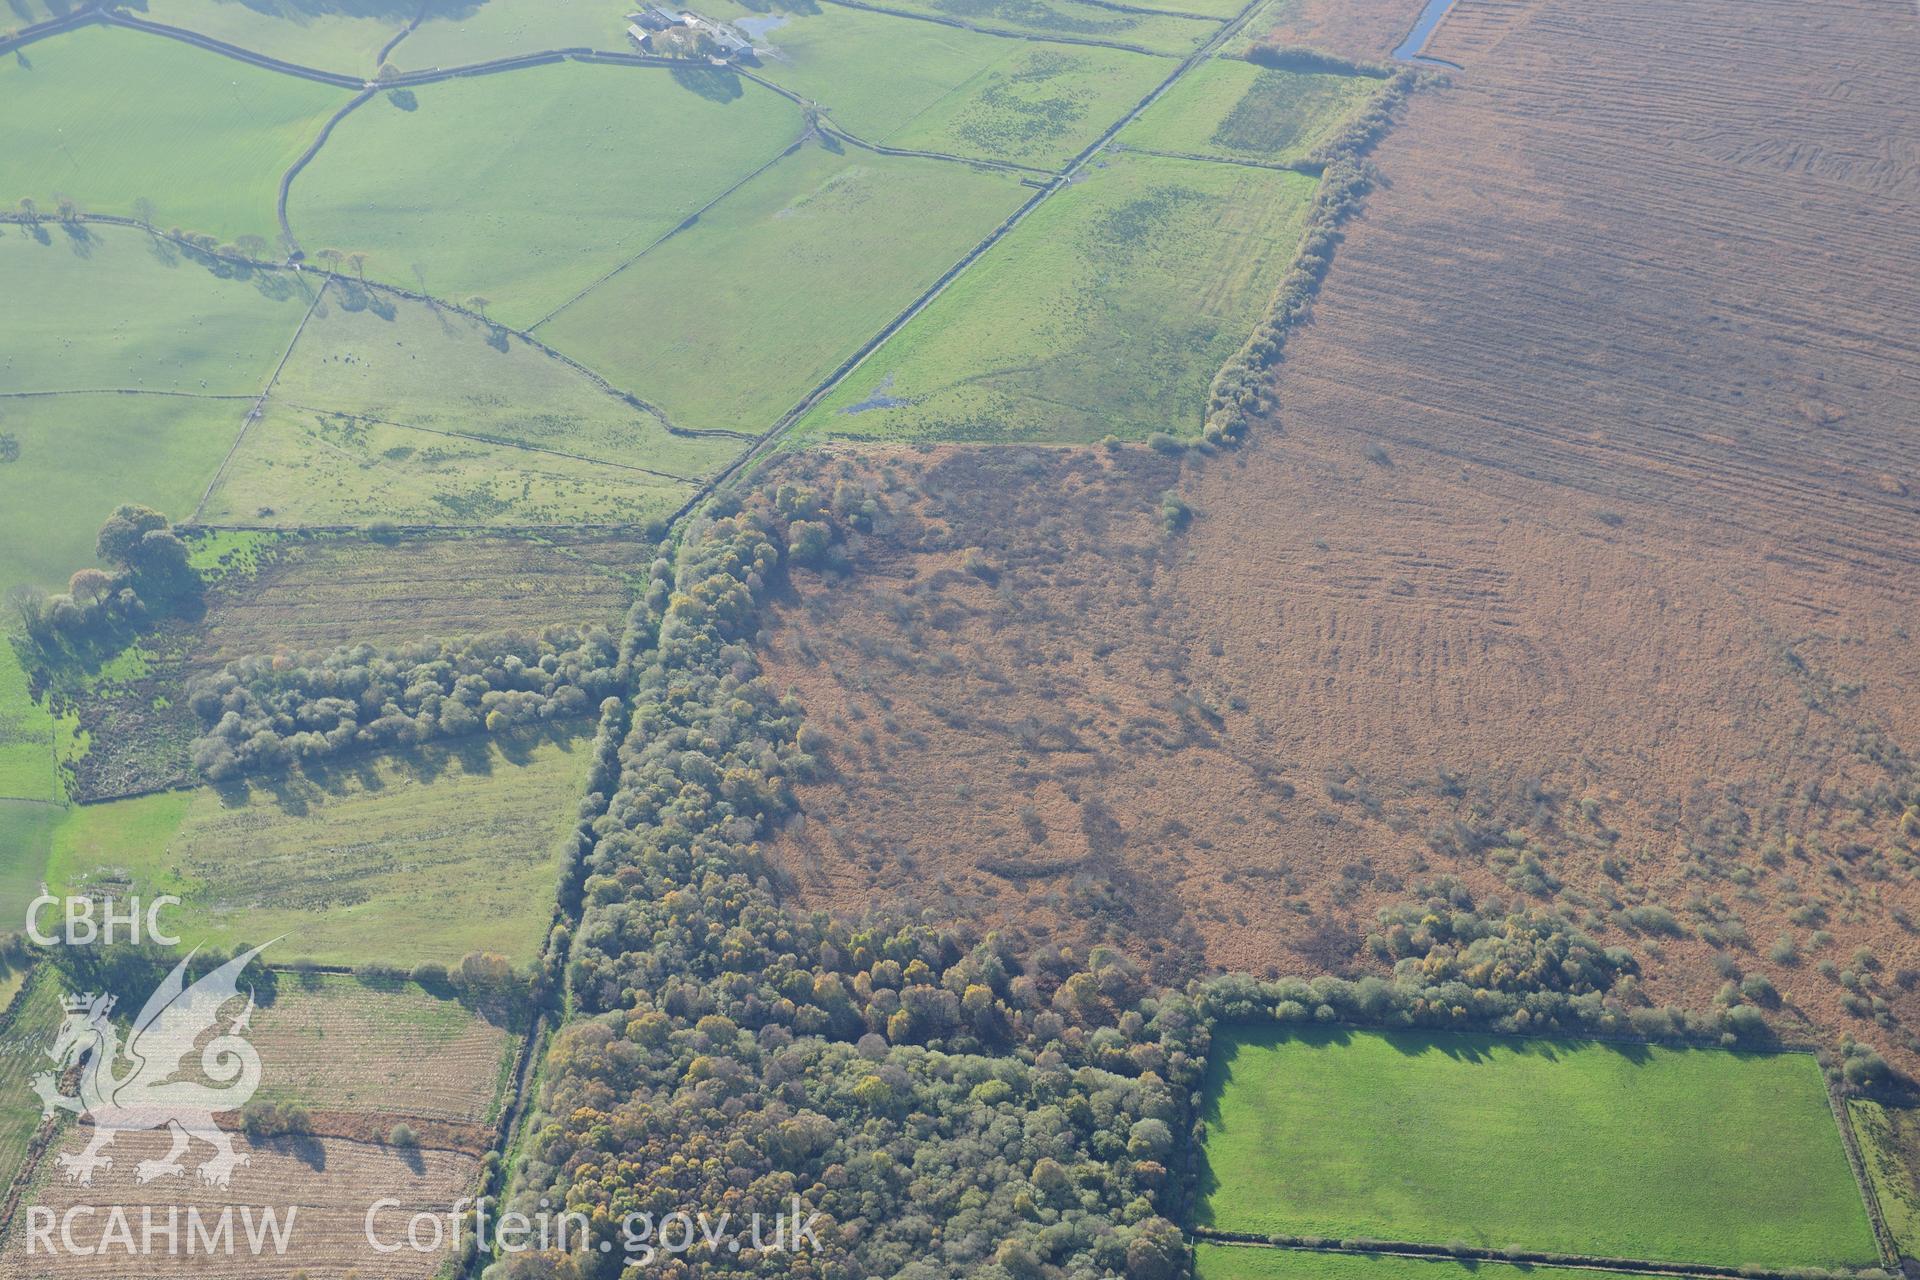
<point>1409,50</point>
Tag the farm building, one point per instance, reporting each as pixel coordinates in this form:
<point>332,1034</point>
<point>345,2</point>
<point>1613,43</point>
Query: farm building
<point>654,17</point>
<point>658,20</point>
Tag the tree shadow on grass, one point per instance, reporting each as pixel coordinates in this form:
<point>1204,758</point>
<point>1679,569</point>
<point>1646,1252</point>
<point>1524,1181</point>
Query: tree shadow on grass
<point>295,791</point>
<point>712,83</point>
<point>79,239</point>
<point>164,251</point>
<point>305,1148</point>
<point>356,297</point>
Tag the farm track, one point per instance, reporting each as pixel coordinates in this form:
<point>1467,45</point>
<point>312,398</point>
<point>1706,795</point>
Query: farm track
<point>260,402</point>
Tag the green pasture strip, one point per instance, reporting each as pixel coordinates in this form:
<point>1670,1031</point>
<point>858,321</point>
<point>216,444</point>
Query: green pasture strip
<point>1889,1140</point>
<point>1259,26</point>
<point>30,1032</point>
<point>26,836</point>
<point>1042,105</point>
<point>27,769</point>
<point>1236,110</point>
<point>930,87</point>
<point>1252,1262</point>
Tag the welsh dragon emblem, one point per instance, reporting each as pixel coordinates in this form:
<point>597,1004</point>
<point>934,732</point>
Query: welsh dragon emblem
<point>133,1088</point>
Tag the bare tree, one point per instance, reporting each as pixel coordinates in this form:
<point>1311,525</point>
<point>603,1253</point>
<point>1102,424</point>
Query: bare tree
<point>28,605</point>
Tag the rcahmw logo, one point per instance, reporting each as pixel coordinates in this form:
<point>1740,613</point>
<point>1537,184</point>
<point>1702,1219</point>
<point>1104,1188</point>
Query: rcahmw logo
<point>133,1088</point>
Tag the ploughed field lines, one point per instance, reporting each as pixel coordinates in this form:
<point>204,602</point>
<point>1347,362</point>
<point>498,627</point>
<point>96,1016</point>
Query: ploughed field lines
<point>1776,403</point>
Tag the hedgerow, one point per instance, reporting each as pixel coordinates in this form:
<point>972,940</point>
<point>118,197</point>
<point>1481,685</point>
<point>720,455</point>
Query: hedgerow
<point>1240,391</point>
<point>268,712</point>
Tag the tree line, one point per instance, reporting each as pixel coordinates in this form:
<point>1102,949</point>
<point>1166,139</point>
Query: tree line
<point>271,711</point>
<point>1241,390</point>
<point>149,576</point>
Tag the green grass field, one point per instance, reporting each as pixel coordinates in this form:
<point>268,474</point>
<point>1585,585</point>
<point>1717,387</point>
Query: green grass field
<point>1236,110</point>
<point>26,753</point>
<point>1566,1147</point>
<point>421,366</point>
<point>781,282</point>
<point>469,31</point>
<point>1158,33</point>
<point>393,860</point>
<point>302,467</point>
<point>116,309</point>
<point>311,33</point>
<point>1889,1140</point>
<point>26,836</point>
<point>526,187</point>
<point>110,117</point>
<point>15,14</point>
<point>1108,311</point>
<point>929,87</point>
<point>1234,1262</point>
<point>83,454</point>
<point>31,1025</point>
